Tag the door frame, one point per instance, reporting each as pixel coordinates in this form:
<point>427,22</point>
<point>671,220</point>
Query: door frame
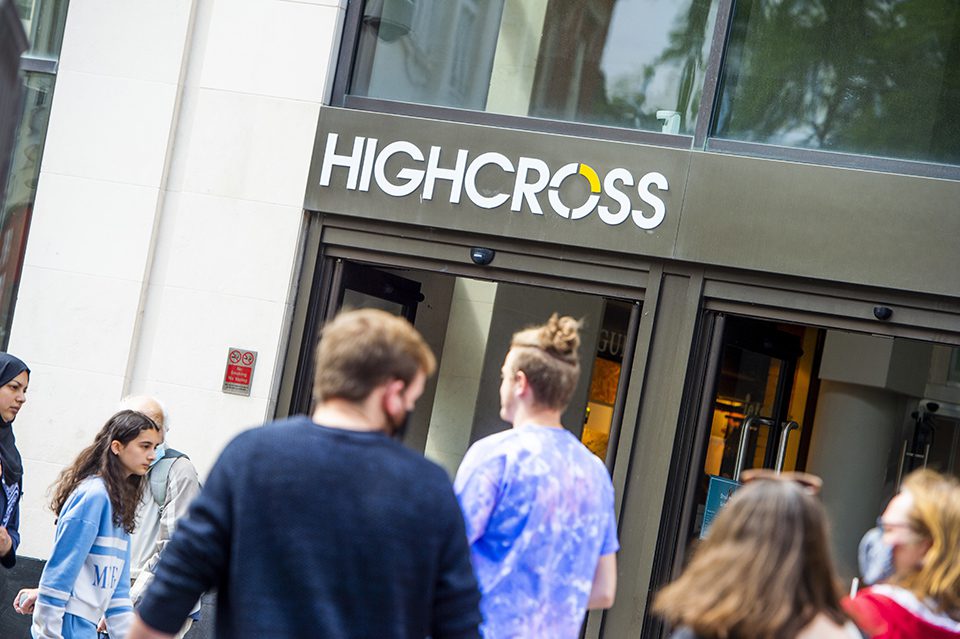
<point>775,299</point>
<point>678,298</point>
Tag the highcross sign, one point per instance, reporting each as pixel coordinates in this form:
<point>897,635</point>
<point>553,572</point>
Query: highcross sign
<point>402,169</point>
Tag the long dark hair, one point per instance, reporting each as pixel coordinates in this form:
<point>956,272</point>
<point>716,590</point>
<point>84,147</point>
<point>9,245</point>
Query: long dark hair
<point>124,490</point>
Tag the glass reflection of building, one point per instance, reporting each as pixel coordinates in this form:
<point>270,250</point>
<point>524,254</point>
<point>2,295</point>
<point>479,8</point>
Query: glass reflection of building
<point>877,78</point>
<point>43,21</point>
<point>598,62</point>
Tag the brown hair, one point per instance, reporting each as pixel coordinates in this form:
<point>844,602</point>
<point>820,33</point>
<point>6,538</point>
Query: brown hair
<point>361,349</point>
<point>547,355</point>
<point>764,571</point>
<point>124,490</point>
<point>936,517</point>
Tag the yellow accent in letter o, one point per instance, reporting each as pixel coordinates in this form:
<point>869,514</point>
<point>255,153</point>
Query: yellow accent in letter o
<point>592,177</point>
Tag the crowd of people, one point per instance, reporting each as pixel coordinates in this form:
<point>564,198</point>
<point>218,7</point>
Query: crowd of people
<point>327,526</point>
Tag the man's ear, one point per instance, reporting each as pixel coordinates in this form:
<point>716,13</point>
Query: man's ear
<point>393,395</point>
<point>522,384</point>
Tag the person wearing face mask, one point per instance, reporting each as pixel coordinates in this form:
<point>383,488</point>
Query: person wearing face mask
<point>87,577</point>
<point>172,484</point>
<point>14,378</point>
<point>327,526</point>
<point>921,530</point>
<point>874,558</point>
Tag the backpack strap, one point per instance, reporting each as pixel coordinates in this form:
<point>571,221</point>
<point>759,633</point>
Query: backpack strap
<point>160,473</point>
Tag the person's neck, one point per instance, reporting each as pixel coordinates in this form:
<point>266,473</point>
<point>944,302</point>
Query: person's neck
<point>347,415</point>
<point>538,415</point>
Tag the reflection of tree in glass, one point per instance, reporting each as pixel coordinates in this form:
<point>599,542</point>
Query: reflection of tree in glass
<point>571,83</point>
<point>880,77</point>
<point>687,46</point>
<point>680,66</point>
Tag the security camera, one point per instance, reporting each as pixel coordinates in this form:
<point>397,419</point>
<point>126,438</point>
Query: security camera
<point>482,256</point>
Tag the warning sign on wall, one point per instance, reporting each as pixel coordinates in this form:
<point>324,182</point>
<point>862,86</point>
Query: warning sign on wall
<point>239,374</point>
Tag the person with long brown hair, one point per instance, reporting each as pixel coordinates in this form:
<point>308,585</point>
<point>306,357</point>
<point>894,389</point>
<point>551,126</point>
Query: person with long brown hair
<point>921,529</point>
<point>763,572</point>
<point>88,574</point>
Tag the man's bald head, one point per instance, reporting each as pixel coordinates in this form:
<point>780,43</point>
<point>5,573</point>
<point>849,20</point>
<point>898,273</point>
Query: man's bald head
<point>149,406</point>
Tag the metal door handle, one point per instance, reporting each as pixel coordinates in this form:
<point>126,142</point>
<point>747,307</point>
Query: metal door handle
<point>903,458</point>
<point>742,447</point>
<point>785,429</point>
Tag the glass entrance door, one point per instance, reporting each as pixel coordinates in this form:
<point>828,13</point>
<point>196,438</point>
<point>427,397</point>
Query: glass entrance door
<point>859,410</point>
<point>468,323</point>
<point>755,418</point>
<point>368,287</point>
<point>751,408</point>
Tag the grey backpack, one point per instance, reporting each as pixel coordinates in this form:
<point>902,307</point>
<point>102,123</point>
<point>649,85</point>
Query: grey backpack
<point>159,474</point>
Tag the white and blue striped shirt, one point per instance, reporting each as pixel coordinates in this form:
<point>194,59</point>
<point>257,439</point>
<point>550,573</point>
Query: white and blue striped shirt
<point>88,573</point>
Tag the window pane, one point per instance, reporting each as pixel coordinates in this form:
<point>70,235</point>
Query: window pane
<point>43,22</point>
<point>16,207</point>
<point>610,62</point>
<point>876,77</point>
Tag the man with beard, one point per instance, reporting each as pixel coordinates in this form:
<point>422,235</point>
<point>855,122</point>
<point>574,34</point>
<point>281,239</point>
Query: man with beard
<point>328,527</point>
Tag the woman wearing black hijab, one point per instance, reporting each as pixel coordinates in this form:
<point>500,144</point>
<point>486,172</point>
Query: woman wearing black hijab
<point>14,377</point>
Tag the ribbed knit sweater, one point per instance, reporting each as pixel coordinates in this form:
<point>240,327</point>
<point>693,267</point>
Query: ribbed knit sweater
<point>309,531</point>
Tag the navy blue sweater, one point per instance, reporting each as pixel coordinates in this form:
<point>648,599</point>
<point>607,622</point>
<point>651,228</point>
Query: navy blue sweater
<point>308,531</point>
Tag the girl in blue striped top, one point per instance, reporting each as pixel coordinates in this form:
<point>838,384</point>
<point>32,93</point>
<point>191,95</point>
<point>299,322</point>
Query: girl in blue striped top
<point>88,574</point>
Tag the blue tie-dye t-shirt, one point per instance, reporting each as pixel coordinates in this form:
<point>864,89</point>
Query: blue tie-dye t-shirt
<point>539,513</point>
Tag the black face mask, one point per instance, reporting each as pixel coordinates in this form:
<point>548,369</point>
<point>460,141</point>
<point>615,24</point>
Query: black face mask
<point>399,427</point>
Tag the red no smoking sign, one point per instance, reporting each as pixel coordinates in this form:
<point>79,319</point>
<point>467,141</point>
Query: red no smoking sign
<point>239,374</point>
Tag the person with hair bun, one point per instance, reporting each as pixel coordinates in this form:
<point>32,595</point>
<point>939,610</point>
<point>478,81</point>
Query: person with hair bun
<point>921,532</point>
<point>538,505</point>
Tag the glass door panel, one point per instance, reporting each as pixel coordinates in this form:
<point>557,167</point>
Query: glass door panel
<point>757,411</point>
<point>468,323</point>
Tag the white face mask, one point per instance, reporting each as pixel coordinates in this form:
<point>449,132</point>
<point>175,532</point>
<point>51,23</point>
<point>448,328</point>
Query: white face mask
<point>875,558</point>
<point>159,452</point>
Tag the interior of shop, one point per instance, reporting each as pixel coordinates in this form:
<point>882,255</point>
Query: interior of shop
<point>468,324</point>
<point>860,411</point>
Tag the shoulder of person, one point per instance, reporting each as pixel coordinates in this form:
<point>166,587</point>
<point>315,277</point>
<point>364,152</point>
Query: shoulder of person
<point>895,602</point>
<point>90,495</point>
<point>182,465</point>
<point>417,462</point>
<point>822,627</point>
<point>92,488</point>
<point>503,441</point>
<point>253,438</point>
<point>489,450</point>
<point>176,468</point>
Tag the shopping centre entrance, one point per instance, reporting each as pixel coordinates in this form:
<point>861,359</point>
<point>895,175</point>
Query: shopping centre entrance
<point>679,390</point>
<point>468,324</point>
<point>849,407</point>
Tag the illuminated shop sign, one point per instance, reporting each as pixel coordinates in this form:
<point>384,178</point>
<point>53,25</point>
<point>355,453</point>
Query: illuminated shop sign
<point>365,162</point>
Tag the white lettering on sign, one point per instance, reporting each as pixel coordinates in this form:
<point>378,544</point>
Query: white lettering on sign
<point>367,162</point>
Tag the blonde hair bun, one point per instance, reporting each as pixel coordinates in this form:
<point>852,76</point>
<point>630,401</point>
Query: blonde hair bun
<point>561,335</point>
